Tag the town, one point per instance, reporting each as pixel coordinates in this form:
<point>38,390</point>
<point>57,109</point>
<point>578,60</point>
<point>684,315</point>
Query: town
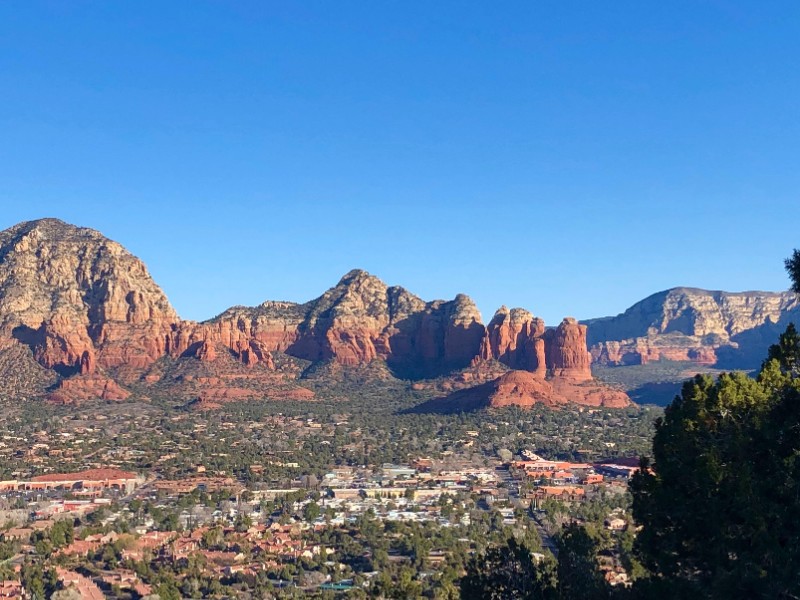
<point>271,500</point>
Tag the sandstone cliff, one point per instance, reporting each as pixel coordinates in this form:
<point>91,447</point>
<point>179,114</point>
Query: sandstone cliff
<point>695,325</point>
<point>359,320</point>
<point>79,300</point>
<point>565,350</point>
<point>515,338</point>
<point>84,308</point>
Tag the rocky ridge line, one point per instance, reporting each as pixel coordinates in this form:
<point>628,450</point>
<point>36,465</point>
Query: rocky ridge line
<point>689,324</point>
<point>89,310</point>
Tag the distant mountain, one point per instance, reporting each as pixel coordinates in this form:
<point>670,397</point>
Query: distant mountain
<point>724,329</point>
<point>88,321</point>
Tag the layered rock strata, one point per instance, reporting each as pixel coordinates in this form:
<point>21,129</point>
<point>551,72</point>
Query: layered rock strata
<point>689,324</point>
<point>87,309</point>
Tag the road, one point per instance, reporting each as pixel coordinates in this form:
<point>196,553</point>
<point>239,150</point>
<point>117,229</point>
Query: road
<point>548,543</point>
<point>504,473</point>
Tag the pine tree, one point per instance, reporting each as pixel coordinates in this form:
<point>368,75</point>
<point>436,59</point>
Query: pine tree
<point>579,577</point>
<point>509,572</point>
<point>793,268</point>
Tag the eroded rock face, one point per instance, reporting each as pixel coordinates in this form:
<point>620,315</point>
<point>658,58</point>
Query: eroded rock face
<point>82,388</point>
<point>690,324</point>
<point>641,351</point>
<point>526,389</point>
<point>565,350</point>
<point>82,306</point>
<point>78,299</point>
<point>206,352</point>
<point>359,320</point>
<point>521,388</point>
<point>516,338</point>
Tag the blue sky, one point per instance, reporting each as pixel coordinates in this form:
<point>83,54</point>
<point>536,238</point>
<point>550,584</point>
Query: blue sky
<point>568,157</point>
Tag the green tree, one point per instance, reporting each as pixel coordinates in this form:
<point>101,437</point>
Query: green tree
<point>793,268</point>
<point>718,505</point>
<point>509,572</point>
<point>311,511</point>
<point>38,583</point>
<point>243,522</point>
<point>697,505</point>
<point>33,580</point>
<point>786,352</point>
<point>579,577</point>
<point>62,533</point>
<point>168,591</point>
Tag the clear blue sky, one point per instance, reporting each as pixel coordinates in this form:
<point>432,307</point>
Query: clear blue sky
<point>568,157</point>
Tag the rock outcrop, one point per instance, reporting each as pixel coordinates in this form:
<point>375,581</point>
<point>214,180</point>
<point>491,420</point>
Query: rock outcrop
<point>359,320</point>
<point>250,334</point>
<point>520,341</point>
<point>516,338</point>
<point>87,387</point>
<point>526,389</point>
<point>84,308</point>
<point>688,324</point>
<point>521,388</point>
<point>79,300</point>
<point>550,367</point>
<point>566,353</point>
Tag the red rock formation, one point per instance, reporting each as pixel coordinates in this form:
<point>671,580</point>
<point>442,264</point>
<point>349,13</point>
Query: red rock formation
<point>361,320</point>
<point>641,351</point>
<point>206,352</point>
<point>77,299</point>
<point>590,393</point>
<point>565,349</point>
<point>81,388</point>
<point>86,363</point>
<point>271,327</point>
<point>521,388</point>
<point>463,330</point>
<point>84,305</point>
<point>526,389</point>
<point>515,338</point>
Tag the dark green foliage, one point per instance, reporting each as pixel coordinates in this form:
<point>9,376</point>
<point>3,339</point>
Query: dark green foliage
<point>58,536</point>
<point>578,575</point>
<point>38,582</point>
<point>311,512</point>
<point>786,351</point>
<point>793,268</point>
<point>509,572</point>
<point>719,506</point>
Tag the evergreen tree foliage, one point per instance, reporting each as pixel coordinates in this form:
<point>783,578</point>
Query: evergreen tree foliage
<point>786,352</point>
<point>718,505</point>
<point>793,268</point>
<point>578,575</point>
<point>509,572</point>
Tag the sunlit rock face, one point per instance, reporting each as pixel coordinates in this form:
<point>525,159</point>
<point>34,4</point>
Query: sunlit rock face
<point>79,300</point>
<point>689,324</point>
<point>84,308</point>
